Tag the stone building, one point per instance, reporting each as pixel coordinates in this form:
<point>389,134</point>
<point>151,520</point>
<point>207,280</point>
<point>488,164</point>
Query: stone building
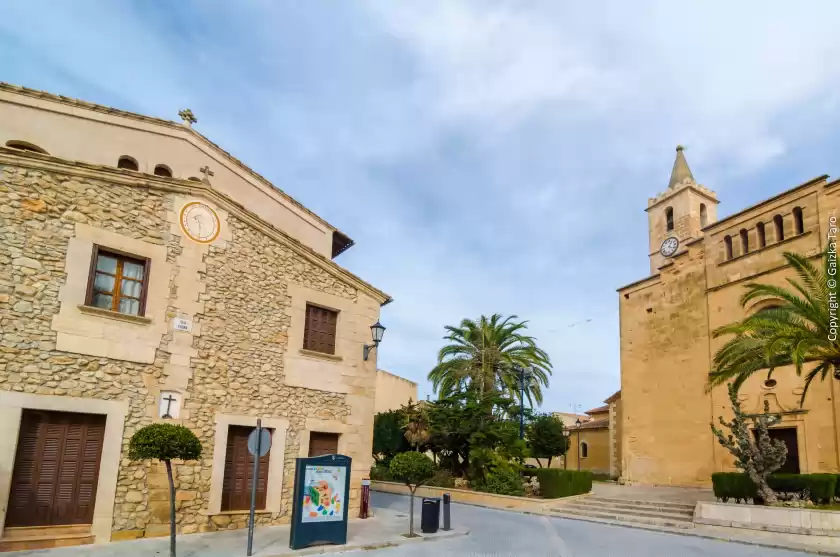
<point>147,275</point>
<point>699,266</point>
<point>595,444</point>
<point>393,391</point>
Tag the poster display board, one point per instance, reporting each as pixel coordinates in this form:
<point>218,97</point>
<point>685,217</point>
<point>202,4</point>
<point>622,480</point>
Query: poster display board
<point>320,500</point>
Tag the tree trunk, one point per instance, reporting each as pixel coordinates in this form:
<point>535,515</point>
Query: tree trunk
<point>764,490</point>
<point>410,513</point>
<point>549,462</point>
<point>171,509</point>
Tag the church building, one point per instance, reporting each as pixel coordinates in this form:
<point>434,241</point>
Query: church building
<point>147,275</point>
<point>699,265</point>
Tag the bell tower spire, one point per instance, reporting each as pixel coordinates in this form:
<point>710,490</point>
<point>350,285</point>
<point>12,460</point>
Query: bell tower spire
<point>679,214</point>
<point>681,172</point>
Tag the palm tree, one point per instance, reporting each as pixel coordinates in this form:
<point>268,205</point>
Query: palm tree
<point>488,355</point>
<point>795,329</point>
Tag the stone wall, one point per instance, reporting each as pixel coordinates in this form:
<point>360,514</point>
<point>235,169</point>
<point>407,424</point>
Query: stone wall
<point>238,348</point>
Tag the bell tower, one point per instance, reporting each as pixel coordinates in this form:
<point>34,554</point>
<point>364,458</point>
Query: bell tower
<point>680,212</point>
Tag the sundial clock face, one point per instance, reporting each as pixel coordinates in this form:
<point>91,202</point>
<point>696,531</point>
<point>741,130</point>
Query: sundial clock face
<point>199,222</point>
<point>669,246</point>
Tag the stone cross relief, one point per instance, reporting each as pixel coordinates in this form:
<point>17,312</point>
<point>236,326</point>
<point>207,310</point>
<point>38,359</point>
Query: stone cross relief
<point>207,173</point>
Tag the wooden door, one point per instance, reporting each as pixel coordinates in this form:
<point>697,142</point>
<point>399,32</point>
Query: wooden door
<point>239,472</point>
<point>323,443</point>
<point>56,469</point>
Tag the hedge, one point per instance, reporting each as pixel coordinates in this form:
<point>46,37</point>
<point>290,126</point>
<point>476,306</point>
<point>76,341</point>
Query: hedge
<point>556,483</point>
<point>738,486</point>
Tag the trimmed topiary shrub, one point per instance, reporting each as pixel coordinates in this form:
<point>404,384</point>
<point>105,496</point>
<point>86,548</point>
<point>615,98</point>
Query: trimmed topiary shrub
<point>501,482</point>
<point>733,485</point>
<point>165,442</point>
<point>414,469</point>
<point>819,488</point>
<point>556,483</point>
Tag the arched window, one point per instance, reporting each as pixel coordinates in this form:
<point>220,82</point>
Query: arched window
<point>163,170</point>
<point>669,219</point>
<point>727,243</point>
<point>704,219</point>
<point>584,449</point>
<point>25,146</point>
<point>128,163</point>
<point>780,228</point>
<point>762,239</point>
<point>745,241</point>
<point>798,224</point>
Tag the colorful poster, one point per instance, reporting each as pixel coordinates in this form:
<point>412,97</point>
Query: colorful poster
<point>323,490</point>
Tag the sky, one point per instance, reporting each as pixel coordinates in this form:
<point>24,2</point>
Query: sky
<point>486,156</point>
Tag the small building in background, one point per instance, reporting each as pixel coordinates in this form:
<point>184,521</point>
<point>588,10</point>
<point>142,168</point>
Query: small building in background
<point>393,391</point>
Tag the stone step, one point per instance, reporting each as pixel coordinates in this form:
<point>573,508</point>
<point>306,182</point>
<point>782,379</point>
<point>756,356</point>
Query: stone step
<point>44,542</point>
<point>632,507</point>
<point>587,507</point>
<point>620,519</point>
<point>661,504</point>
<point>42,531</point>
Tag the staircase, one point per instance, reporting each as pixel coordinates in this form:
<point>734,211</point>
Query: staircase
<point>45,537</point>
<point>630,512</point>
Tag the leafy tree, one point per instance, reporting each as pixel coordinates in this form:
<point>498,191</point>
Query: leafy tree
<point>414,469</point>
<point>547,438</point>
<point>165,442</point>
<point>388,435</point>
<point>466,423</point>
<point>416,424</point>
<point>486,355</point>
<point>794,330</point>
<point>758,456</point>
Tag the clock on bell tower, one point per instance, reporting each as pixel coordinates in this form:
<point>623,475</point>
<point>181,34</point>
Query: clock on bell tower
<point>679,214</point>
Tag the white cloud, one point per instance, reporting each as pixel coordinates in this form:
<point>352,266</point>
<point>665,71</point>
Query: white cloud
<point>486,156</point>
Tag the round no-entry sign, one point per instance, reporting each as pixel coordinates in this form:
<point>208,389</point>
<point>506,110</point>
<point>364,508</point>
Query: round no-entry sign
<point>265,442</point>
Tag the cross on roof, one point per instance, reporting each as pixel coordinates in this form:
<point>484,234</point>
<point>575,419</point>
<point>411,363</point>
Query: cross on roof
<point>207,173</point>
<point>187,116</point>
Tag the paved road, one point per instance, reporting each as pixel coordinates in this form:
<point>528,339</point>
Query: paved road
<point>499,533</point>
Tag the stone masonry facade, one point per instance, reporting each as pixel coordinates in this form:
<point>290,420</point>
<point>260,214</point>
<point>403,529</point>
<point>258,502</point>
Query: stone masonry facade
<point>237,362</point>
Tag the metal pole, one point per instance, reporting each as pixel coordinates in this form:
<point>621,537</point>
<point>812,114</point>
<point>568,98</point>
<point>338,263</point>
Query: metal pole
<point>254,488</point>
<point>578,447</point>
<point>522,403</point>
<point>446,517</point>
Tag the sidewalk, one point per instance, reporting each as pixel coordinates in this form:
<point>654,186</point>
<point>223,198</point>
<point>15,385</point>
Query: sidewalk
<point>386,529</point>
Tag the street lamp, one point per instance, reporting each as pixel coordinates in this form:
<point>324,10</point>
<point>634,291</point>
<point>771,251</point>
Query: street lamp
<point>577,424</point>
<point>376,331</point>
<point>523,374</point>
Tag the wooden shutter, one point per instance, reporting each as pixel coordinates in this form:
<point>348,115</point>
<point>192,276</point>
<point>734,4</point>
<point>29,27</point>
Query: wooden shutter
<point>239,471</point>
<point>319,329</point>
<point>56,469</point>
<point>321,444</point>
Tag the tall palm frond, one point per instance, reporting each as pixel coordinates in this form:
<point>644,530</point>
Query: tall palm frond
<point>796,329</point>
<point>488,355</point>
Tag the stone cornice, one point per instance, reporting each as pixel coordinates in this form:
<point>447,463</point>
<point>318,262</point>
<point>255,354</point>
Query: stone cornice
<point>671,192</point>
<point>61,99</point>
<point>743,212</point>
<point>28,159</point>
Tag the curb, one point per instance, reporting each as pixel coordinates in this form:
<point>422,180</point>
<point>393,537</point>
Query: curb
<point>694,533</point>
<point>321,549</point>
